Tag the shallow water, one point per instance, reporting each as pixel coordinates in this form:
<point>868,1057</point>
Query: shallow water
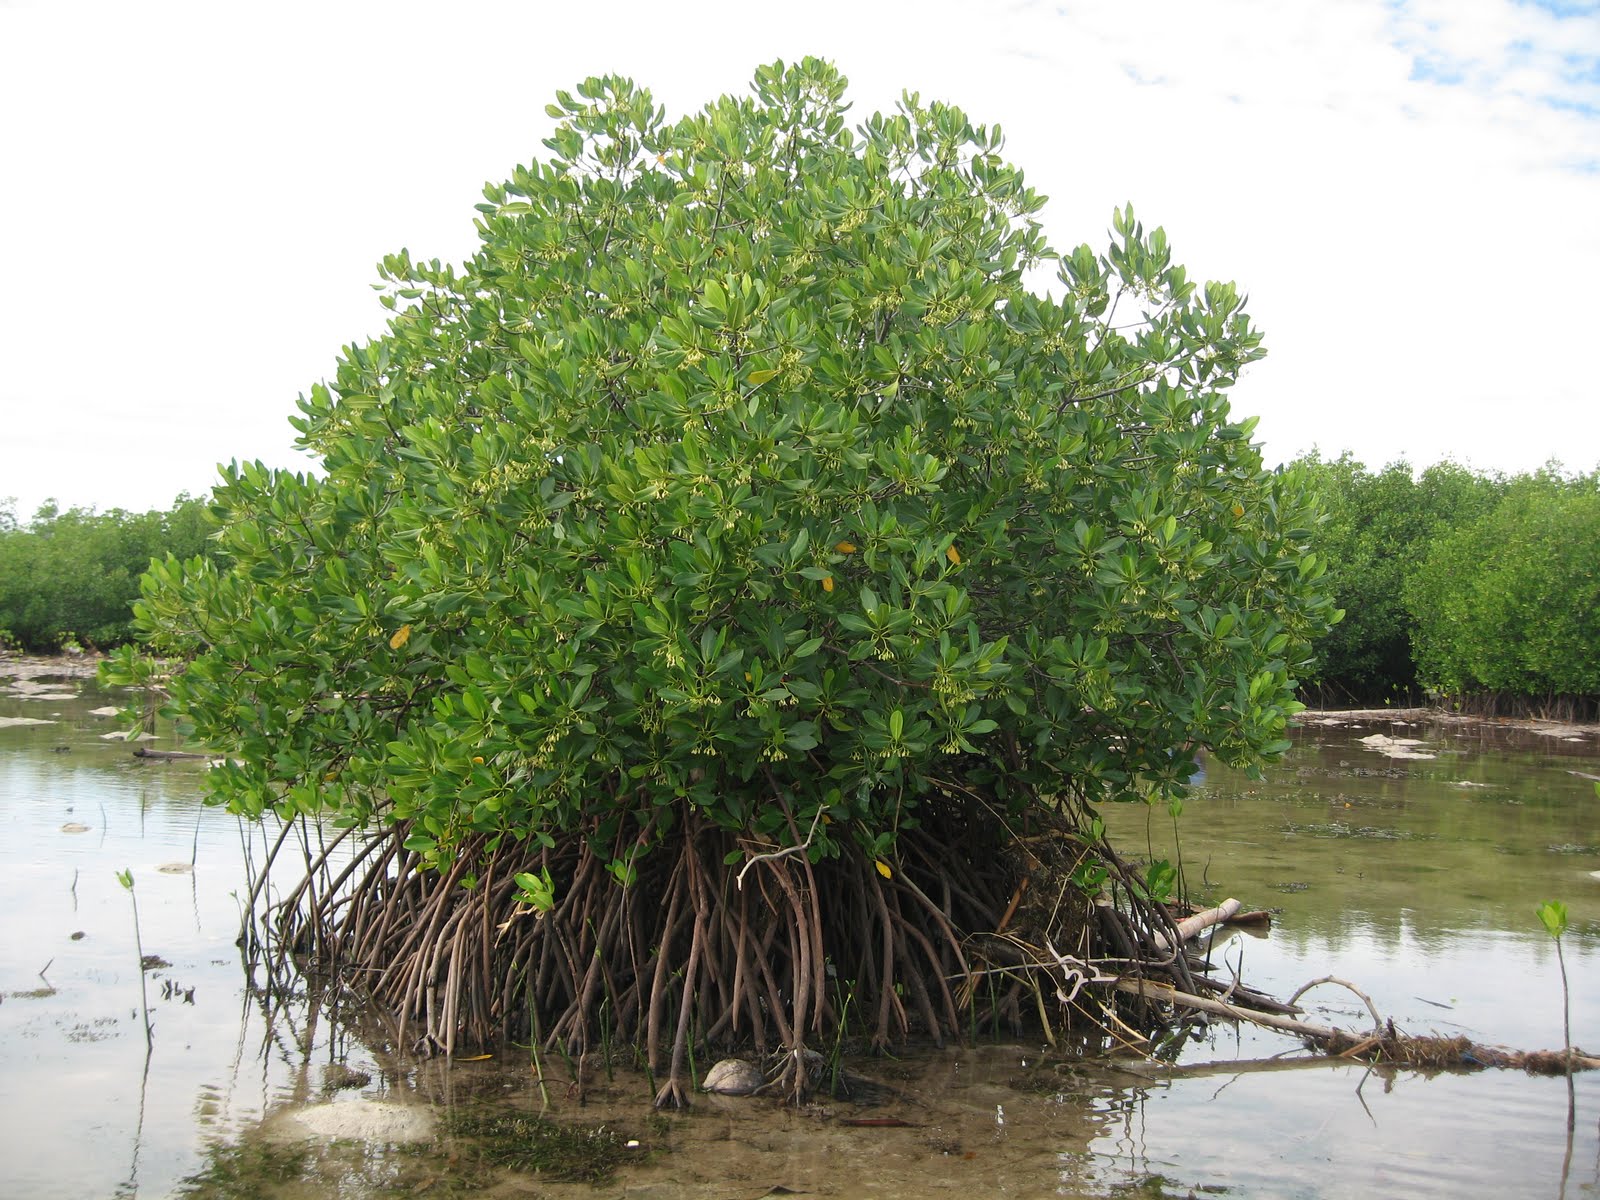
<point>1415,879</point>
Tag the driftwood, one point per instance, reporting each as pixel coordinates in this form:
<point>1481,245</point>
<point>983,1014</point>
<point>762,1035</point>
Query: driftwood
<point>1385,1045</point>
<point>1190,926</point>
<point>166,755</point>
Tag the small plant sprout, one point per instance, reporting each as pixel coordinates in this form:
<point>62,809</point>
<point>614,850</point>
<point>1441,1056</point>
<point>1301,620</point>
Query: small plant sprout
<point>537,890</point>
<point>1553,916</point>
<point>125,878</point>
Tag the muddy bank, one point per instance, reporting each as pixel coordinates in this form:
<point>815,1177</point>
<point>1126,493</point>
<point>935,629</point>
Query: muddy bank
<point>54,666</point>
<point>1333,717</point>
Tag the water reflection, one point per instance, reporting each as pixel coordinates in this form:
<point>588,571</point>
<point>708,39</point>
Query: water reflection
<point>1417,878</point>
<point>1414,877</point>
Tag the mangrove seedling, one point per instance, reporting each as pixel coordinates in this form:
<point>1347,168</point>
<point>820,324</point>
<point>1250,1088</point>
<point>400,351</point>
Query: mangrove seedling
<point>125,878</point>
<point>1553,916</point>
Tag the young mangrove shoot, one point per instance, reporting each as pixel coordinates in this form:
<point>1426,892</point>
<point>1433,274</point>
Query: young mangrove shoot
<point>1553,916</point>
<point>125,878</point>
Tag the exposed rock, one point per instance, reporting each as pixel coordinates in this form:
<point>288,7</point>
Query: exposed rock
<point>1392,747</point>
<point>364,1120</point>
<point>734,1077</point>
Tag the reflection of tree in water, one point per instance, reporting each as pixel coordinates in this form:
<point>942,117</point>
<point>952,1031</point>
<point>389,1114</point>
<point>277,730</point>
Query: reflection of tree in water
<point>298,1038</point>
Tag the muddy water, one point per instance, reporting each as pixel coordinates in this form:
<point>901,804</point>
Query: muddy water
<point>1414,878</point>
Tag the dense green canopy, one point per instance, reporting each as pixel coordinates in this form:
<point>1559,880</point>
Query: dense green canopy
<point>742,467</point>
<point>1509,603</point>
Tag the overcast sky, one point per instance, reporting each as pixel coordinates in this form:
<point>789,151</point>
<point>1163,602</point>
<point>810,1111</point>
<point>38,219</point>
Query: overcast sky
<point>193,197</point>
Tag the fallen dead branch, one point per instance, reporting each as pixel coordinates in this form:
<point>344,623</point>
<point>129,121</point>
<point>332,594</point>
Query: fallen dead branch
<point>1385,1045</point>
<point>1190,926</point>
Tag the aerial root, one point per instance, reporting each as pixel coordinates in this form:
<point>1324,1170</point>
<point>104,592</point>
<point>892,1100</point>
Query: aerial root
<point>681,958</point>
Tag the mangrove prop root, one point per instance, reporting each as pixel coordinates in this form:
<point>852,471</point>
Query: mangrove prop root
<point>689,954</point>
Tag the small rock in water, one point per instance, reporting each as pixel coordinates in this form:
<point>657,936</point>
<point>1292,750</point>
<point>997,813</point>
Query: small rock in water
<point>733,1077</point>
<point>175,868</point>
<point>338,1077</point>
<point>109,710</point>
<point>74,827</point>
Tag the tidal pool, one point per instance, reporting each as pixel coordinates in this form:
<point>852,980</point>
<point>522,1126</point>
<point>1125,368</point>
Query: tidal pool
<point>1414,878</point>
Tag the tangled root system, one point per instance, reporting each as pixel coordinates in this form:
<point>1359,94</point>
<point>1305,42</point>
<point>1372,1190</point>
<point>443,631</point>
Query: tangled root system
<point>719,941</point>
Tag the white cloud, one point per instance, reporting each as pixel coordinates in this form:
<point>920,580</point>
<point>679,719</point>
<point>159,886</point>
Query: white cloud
<point>195,194</point>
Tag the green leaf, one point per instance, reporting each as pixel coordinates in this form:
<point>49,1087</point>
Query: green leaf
<point>1553,916</point>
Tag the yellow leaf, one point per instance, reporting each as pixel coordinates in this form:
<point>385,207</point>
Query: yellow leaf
<point>827,583</point>
<point>883,868</point>
<point>400,638</point>
<point>757,378</point>
<point>475,1058</point>
<point>477,758</point>
<point>953,556</point>
<point>1238,510</point>
<point>845,548</point>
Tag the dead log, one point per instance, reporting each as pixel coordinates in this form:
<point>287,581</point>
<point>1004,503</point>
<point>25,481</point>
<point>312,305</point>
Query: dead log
<point>165,755</point>
<point>1385,1045</point>
<point>1189,926</point>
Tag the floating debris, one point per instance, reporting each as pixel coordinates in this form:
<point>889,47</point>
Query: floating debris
<point>1339,829</point>
<point>8,722</point>
<point>337,1077</point>
<point>74,827</point>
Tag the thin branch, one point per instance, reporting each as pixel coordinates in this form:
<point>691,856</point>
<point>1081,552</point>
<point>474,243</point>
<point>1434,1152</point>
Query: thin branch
<point>774,855</point>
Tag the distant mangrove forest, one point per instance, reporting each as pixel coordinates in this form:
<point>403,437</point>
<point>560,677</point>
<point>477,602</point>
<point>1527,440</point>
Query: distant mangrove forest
<point>1463,587</point>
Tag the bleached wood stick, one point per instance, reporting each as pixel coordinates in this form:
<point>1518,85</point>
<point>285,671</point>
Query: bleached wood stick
<point>1189,926</point>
